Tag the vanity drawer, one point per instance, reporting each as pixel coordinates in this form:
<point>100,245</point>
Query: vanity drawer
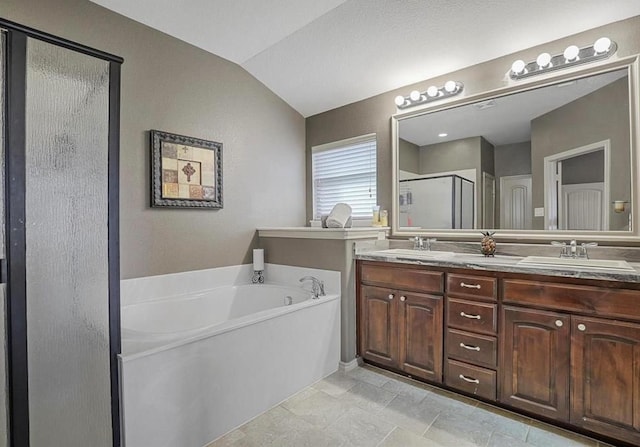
<point>473,348</point>
<point>403,278</point>
<point>473,316</point>
<point>468,286</point>
<point>471,379</point>
<point>601,301</point>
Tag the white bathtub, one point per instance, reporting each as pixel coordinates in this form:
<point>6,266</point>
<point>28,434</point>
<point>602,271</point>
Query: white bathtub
<point>210,311</point>
<point>196,365</point>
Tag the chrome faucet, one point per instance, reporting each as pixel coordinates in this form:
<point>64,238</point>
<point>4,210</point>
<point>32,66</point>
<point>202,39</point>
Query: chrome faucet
<point>421,244</point>
<point>317,286</point>
<point>573,250</point>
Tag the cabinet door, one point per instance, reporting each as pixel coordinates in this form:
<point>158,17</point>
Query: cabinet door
<point>421,341</point>
<point>535,361</point>
<point>605,390</point>
<point>379,325</point>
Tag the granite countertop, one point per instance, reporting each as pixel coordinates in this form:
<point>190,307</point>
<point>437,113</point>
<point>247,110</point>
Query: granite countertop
<point>501,263</point>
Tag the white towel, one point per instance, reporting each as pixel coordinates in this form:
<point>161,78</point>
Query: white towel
<point>339,216</point>
<point>323,222</point>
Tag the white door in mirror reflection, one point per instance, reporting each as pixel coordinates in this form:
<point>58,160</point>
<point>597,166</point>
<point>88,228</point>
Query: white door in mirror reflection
<point>582,207</point>
<point>577,188</point>
<point>515,202</point>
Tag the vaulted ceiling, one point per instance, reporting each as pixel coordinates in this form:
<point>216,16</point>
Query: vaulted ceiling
<point>321,54</point>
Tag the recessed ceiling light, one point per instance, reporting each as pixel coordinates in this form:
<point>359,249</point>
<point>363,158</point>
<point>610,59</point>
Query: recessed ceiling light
<point>443,134</point>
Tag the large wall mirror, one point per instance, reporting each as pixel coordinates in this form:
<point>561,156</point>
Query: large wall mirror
<point>552,159</point>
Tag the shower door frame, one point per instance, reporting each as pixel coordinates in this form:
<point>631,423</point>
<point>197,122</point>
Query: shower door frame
<point>13,271</point>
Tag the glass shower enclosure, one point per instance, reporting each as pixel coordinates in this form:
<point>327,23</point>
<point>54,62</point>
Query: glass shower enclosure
<point>437,202</point>
<point>60,313</point>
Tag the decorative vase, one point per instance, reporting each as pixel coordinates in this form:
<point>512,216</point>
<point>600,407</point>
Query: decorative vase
<point>488,243</point>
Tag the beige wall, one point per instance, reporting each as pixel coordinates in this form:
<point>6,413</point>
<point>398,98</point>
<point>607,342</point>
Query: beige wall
<point>408,157</point>
<point>175,87</point>
<point>450,156</point>
<point>374,114</point>
<point>601,115</point>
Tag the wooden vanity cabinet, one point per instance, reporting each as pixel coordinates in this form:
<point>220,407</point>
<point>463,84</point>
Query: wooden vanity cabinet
<point>580,366</point>
<point>564,349</point>
<point>401,328</point>
<point>535,361</point>
<point>379,335</point>
<point>605,375</point>
<point>420,335</point>
<point>471,339</point>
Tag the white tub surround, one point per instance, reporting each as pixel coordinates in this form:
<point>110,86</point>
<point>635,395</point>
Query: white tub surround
<point>324,248</point>
<point>205,351</point>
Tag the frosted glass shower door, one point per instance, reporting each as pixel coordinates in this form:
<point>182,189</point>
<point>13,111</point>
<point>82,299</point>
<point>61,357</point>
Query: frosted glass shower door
<point>66,232</point>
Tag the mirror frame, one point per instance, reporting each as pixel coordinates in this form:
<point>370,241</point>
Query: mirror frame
<point>611,237</point>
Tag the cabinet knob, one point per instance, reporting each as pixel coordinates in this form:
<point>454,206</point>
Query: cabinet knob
<point>559,323</point>
<point>582,327</point>
<point>403,298</point>
<point>391,296</point>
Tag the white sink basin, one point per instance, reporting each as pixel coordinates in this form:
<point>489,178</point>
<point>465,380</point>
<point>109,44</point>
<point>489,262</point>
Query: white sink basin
<point>601,264</point>
<point>417,254</point>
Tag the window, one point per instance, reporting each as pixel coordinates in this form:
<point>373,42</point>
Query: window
<point>345,171</point>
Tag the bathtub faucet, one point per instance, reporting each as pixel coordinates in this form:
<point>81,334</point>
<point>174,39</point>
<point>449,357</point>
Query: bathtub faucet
<point>258,277</point>
<point>317,286</point>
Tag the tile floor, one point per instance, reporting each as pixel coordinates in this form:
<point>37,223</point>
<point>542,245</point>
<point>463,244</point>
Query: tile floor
<point>373,408</point>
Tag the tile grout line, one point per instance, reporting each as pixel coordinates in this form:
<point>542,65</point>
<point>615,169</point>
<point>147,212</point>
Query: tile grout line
<point>430,425</point>
<point>395,427</point>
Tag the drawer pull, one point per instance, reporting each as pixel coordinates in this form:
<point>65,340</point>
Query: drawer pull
<point>469,347</point>
<point>559,323</point>
<point>470,286</point>
<point>473,317</point>
<point>391,296</point>
<point>468,379</point>
<point>582,327</point>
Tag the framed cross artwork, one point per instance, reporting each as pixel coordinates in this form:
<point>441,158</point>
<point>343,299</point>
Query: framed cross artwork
<point>186,172</point>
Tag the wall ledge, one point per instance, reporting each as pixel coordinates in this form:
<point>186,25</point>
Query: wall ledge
<point>325,233</point>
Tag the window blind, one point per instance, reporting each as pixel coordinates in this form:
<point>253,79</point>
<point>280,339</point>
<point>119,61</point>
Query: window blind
<point>345,172</point>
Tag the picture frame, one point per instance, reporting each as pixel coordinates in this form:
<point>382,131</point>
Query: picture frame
<point>186,172</point>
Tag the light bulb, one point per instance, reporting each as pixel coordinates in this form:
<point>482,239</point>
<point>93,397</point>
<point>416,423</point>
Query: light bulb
<point>414,95</point>
<point>450,86</point>
<point>571,53</point>
<point>432,91</point>
<point>399,100</point>
<point>602,45</point>
<point>543,60</point>
<point>518,67</point>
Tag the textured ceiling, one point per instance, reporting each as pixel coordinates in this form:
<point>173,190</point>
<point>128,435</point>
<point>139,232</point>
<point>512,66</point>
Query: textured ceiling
<point>321,54</point>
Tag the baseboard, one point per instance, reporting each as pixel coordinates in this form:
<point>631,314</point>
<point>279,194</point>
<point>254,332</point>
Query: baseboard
<point>350,366</point>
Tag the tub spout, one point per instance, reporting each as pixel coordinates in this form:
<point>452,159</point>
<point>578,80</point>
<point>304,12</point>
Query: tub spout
<point>317,286</point>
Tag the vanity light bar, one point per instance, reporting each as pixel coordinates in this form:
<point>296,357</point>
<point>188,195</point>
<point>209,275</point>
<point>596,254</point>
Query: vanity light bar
<point>603,48</point>
<point>433,93</point>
